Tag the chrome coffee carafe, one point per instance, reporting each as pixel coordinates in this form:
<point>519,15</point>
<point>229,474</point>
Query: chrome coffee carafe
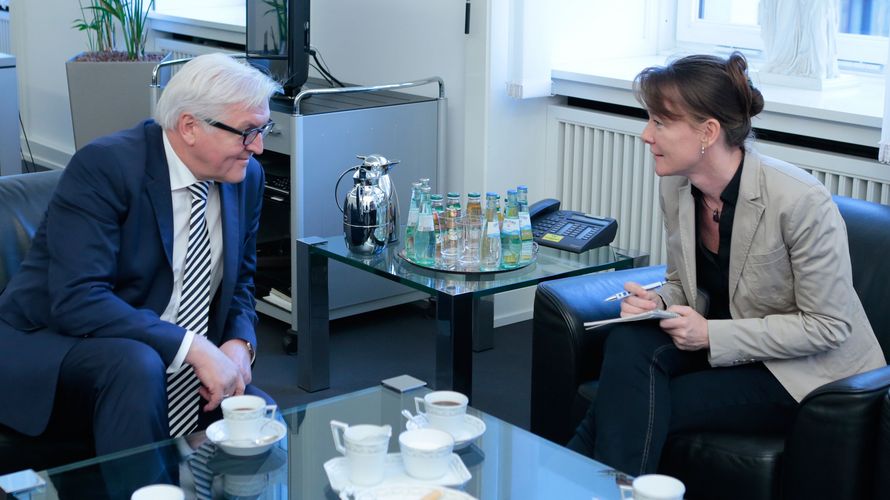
<point>385,183</point>
<point>370,207</point>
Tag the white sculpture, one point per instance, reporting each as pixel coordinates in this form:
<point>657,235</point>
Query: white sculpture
<point>800,37</point>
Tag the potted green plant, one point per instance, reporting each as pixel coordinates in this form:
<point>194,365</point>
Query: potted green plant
<point>108,85</point>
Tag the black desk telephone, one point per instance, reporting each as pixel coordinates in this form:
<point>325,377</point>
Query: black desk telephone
<point>567,229</point>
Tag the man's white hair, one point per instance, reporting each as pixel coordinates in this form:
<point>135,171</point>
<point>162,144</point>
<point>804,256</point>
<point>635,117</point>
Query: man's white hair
<point>210,85</point>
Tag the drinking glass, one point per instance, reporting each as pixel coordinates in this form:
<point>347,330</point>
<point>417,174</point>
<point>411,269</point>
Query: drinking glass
<point>471,229</point>
<point>452,241</point>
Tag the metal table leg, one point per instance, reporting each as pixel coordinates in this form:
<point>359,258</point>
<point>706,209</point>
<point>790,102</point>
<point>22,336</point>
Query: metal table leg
<point>313,357</point>
<point>454,343</point>
<point>483,323</point>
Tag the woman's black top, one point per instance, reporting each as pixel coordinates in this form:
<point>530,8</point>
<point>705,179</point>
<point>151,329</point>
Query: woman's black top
<point>712,269</point>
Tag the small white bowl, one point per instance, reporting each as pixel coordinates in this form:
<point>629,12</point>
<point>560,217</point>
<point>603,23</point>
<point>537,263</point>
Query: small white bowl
<point>426,452</point>
<point>158,492</point>
<point>658,487</point>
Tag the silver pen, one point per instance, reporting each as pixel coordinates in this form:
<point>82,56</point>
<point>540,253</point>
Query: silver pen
<point>621,295</point>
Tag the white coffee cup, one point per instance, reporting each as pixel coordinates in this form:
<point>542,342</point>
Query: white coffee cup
<point>426,453</point>
<point>444,410</point>
<point>245,416</point>
<point>158,492</point>
<point>364,447</point>
<point>654,487</point>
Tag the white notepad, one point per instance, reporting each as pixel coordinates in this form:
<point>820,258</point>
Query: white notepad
<point>653,314</point>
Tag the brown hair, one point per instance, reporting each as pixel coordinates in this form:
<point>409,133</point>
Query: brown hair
<point>702,87</point>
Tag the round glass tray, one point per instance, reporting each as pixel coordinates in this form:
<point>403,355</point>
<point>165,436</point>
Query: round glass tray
<point>460,268</point>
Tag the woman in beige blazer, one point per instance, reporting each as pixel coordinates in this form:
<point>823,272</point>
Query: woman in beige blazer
<point>758,271</point>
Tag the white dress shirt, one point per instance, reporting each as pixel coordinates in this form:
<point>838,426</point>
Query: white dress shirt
<point>180,179</point>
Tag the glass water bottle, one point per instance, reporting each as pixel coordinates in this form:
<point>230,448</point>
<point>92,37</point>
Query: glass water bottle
<point>425,236</point>
<point>451,231</point>
<point>511,242</point>
<point>411,224</point>
<point>474,204</point>
<point>525,226</point>
<point>438,205</point>
<point>491,236</point>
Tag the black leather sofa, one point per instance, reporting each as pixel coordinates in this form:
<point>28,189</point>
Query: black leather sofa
<point>832,449</point>
<point>23,201</point>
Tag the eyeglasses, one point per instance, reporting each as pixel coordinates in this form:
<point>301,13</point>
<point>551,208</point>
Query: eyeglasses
<point>247,136</point>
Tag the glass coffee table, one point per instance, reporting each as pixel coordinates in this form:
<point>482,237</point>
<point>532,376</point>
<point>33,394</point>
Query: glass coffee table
<point>464,302</point>
<point>505,462</point>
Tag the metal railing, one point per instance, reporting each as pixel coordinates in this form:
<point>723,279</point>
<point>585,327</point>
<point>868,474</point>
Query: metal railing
<point>298,99</point>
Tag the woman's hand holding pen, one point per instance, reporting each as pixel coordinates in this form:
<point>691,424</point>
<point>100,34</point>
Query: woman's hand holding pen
<point>689,332</point>
<point>640,300</point>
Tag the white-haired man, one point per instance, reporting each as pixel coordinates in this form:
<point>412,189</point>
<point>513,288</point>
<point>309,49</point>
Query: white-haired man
<point>133,313</point>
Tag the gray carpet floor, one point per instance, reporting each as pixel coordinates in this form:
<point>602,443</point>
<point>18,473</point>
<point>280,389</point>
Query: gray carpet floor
<point>370,347</point>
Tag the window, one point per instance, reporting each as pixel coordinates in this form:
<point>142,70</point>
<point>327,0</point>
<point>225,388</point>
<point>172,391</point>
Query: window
<point>864,26</point>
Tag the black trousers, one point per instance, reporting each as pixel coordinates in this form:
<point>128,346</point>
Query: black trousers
<point>648,389</point>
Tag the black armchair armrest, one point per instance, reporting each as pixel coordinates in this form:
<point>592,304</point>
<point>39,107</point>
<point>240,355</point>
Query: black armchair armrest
<point>832,440</point>
<point>564,355</point>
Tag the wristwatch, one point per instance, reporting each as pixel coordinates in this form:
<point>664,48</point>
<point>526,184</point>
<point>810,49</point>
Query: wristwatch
<point>250,351</point>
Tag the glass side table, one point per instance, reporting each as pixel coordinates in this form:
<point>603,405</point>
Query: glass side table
<point>463,301</point>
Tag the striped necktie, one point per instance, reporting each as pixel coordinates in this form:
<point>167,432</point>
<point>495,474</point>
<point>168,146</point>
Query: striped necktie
<point>194,309</point>
<point>201,473</point>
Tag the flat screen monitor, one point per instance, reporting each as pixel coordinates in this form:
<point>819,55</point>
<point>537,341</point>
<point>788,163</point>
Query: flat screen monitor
<point>278,40</point>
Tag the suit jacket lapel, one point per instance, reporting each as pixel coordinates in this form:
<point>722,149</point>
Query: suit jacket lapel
<point>748,212</point>
<point>687,241</point>
<point>228,207</point>
<point>158,187</point>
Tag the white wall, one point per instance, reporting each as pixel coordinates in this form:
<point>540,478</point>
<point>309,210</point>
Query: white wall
<point>42,40</point>
<point>389,41</point>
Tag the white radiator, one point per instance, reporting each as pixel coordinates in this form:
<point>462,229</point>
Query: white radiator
<point>604,168</point>
<point>5,37</point>
<point>183,50</point>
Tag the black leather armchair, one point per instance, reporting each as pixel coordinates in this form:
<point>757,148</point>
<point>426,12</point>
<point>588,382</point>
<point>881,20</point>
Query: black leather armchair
<point>23,201</point>
<point>882,467</point>
<point>831,450</point>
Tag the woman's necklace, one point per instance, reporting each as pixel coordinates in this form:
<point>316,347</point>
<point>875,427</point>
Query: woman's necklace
<point>716,213</point>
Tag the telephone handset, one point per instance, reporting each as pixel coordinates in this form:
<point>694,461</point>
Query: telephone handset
<point>569,230</point>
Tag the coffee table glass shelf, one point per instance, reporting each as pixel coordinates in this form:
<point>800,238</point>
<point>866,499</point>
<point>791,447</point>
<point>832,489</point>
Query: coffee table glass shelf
<point>505,462</point>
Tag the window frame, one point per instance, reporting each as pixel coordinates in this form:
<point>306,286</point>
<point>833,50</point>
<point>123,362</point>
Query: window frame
<point>867,49</point>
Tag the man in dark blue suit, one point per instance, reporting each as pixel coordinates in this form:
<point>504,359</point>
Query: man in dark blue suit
<point>90,327</point>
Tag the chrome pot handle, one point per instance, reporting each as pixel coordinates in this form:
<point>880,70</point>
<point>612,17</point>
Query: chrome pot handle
<point>337,186</point>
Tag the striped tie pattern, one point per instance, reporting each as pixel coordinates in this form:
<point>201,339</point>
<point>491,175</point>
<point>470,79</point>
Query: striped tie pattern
<point>194,309</point>
<point>201,473</point>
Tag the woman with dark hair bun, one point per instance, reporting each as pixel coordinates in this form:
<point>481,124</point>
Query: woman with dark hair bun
<point>758,272</point>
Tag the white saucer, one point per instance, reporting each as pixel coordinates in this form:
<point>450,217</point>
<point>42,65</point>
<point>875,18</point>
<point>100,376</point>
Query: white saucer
<point>472,428</point>
<point>394,473</point>
<point>410,492</point>
<point>271,427</point>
